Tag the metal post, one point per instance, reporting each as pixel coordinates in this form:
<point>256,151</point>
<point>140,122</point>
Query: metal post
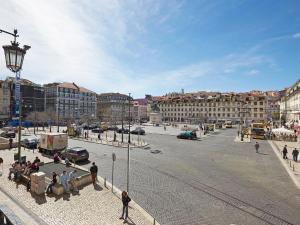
<point>122,120</point>
<point>112,176</point>
<point>20,129</point>
<point>128,157</point>
<point>129,119</point>
<point>58,112</point>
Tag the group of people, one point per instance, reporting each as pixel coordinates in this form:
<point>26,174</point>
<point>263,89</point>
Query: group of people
<point>25,168</point>
<point>282,137</point>
<point>295,153</point>
<point>67,180</point>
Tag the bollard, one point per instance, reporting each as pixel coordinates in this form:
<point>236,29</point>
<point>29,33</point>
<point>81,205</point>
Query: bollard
<point>105,182</point>
<point>154,221</point>
<point>293,167</point>
<point>290,163</point>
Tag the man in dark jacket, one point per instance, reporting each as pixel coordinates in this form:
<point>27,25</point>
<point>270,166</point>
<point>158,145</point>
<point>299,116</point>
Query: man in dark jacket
<point>94,171</point>
<point>295,154</point>
<point>284,152</point>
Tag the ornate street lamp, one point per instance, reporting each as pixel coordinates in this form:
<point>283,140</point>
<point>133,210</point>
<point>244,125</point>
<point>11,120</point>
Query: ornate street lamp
<point>14,57</point>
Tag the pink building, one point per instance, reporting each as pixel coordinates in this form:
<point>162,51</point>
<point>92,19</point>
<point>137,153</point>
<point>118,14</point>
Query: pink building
<point>140,110</point>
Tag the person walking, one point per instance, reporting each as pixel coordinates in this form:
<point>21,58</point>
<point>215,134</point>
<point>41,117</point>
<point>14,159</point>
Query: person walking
<point>94,171</point>
<point>125,201</point>
<point>238,133</point>
<point>295,154</point>
<point>53,182</point>
<point>10,143</point>
<point>64,180</point>
<point>284,152</point>
<point>256,147</point>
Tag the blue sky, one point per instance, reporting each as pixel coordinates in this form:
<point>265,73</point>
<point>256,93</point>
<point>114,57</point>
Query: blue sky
<point>155,47</point>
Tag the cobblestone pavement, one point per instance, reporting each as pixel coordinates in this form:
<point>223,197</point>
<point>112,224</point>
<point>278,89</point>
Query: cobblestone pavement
<point>293,166</point>
<point>214,181</point>
<point>92,206</point>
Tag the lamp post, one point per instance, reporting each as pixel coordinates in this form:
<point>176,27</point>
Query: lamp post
<point>14,57</point>
<point>128,147</point>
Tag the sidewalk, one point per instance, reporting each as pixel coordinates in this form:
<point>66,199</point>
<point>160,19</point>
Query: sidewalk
<point>91,206</point>
<point>292,167</point>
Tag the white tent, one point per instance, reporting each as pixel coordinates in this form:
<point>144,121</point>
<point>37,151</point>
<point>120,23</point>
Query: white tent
<point>282,130</point>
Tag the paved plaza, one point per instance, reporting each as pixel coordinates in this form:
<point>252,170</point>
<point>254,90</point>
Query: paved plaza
<point>91,206</point>
<point>210,181</point>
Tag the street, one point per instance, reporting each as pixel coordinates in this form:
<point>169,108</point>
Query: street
<point>212,181</point>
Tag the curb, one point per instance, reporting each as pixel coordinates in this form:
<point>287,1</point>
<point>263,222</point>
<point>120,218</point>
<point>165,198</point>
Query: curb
<point>84,140</point>
<point>26,210</point>
<point>291,174</point>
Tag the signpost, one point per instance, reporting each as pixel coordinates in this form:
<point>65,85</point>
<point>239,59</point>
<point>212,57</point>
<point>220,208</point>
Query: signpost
<point>112,171</point>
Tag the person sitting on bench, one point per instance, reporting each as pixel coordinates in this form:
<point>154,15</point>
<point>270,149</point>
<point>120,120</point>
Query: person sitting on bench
<point>37,160</point>
<point>27,169</point>
<point>35,167</point>
<point>12,170</point>
<point>56,158</point>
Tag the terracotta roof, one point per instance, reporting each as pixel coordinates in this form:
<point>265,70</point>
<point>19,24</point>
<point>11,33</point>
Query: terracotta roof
<point>112,93</point>
<point>67,85</point>
<point>85,90</point>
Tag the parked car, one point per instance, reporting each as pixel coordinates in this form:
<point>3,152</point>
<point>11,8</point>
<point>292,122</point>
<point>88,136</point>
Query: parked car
<point>113,128</point>
<point>191,135</point>
<point>138,130</point>
<point>8,134</point>
<point>125,130</point>
<point>75,154</point>
<point>97,130</point>
<point>29,141</point>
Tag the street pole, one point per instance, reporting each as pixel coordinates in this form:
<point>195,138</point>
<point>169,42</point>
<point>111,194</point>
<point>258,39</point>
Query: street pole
<point>128,157</point>
<point>58,112</point>
<point>122,120</point>
<point>20,128</point>
<point>129,120</point>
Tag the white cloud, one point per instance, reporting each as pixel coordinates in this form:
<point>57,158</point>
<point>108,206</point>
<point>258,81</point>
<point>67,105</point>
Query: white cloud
<point>81,42</point>
<point>252,72</point>
<point>297,35</point>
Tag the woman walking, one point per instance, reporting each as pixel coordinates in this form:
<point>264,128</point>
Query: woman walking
<point>125,200</point>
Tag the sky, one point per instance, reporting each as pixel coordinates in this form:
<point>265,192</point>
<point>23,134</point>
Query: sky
<point>157,46</point>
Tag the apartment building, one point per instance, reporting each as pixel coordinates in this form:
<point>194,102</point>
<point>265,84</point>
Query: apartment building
<point>32,97</point>
<point>5,96</point>
<point>113,107</point>
<point>67,101</point>
<point>213,107</point>
<point>290,104</point>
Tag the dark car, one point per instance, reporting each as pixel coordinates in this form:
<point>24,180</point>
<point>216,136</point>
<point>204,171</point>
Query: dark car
<point>75,154</point>
<point>115,128</point>
<point>30,142</point>
<point>8,134</point>
<point>191,135</point>
<point>124,130</point>
<point>138,130</point>
<point>97,130</point>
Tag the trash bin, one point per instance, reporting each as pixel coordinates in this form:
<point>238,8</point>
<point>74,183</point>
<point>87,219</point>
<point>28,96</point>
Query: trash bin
<point>16,156</point>
<point>23,159</point>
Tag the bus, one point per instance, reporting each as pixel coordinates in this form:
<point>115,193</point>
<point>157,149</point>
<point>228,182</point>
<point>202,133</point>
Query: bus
<point>258,131</point>
<point>228,124</point>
